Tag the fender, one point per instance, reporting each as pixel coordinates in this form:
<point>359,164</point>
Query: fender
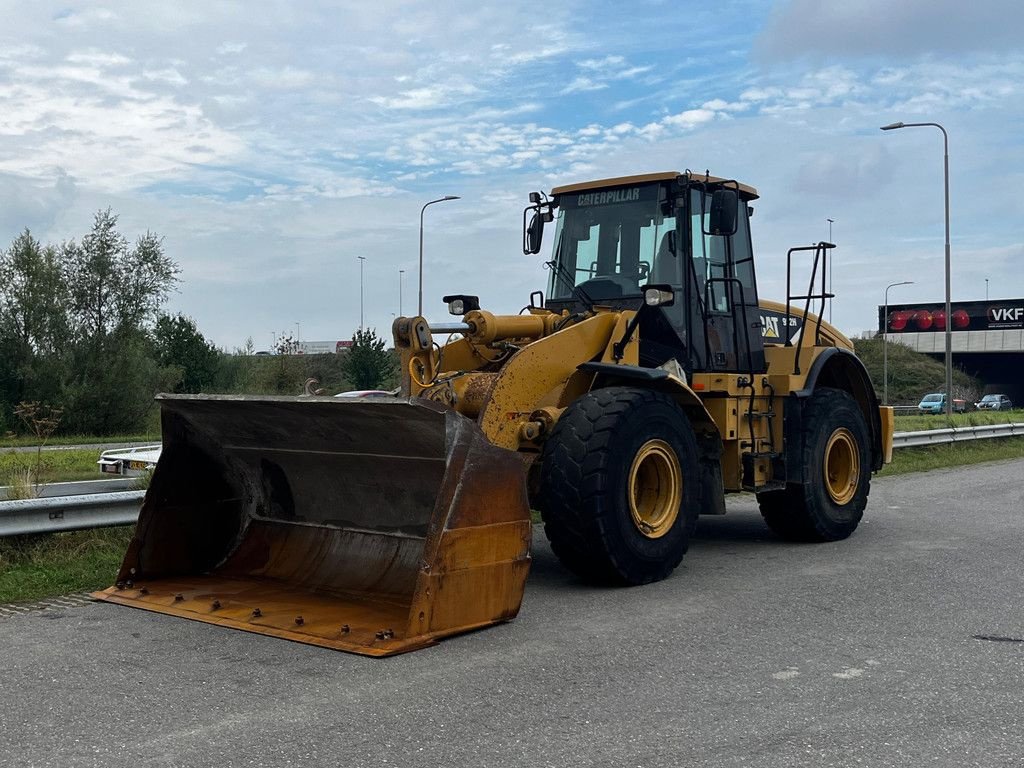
<point>709,439</point>
<point>840,369</point>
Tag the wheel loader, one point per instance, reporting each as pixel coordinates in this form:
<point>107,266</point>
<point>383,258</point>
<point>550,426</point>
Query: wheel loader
<point>649,382</point>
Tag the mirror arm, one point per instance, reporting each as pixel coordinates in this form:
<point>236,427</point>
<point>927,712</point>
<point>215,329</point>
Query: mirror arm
<point>619,347</point>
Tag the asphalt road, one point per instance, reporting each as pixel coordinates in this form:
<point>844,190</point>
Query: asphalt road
<point>755,652</point>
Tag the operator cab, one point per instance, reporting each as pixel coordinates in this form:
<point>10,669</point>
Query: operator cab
<point>617,236</point>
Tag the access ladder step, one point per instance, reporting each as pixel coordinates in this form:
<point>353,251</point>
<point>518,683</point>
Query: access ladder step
<point>757,481</point>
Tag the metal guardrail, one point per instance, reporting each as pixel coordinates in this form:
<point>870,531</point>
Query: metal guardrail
<point>97,510</point>
<point>955,435</point>
<point>77,488</point>
<point>69,513</point>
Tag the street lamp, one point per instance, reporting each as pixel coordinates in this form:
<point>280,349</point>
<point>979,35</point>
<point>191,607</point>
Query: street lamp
<point>885,343</point>
<point>439,200</point>
<point>361,260</point>
<point>986,289</point>
<point>949,324</point>
<point>401,279</point>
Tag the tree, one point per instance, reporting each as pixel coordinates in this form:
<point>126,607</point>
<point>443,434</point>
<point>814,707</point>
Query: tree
<point>115,292</point>
<point>34,299</point>
<point>179,344</point>
<point>112,391</point>
<point>367,365</point>
<point>33,324</point>
<point>113,286</point>
<point>286,344</point>
<point>75,323</point>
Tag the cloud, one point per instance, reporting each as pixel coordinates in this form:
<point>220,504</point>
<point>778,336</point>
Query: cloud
<point>833,176</point>
<point>34,205</point>
<point>799,28</point>
<point>271,148</point>
<point>582,84</point>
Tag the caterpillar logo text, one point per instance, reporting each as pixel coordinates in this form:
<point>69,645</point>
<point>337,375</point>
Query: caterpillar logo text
<point>770,325</point>
<point>613,196</point>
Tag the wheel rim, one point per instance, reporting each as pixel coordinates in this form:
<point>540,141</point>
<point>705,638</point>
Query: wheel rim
<point>655,488</point>
<point>842,466</point>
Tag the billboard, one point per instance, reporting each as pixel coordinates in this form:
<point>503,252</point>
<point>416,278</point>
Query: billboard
<point>965,316</point>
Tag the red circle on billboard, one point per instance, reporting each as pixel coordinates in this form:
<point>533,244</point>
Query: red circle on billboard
<point>923,319</point>
<point>939,318</point>
<point>961,319</point>
<point>898,320</point>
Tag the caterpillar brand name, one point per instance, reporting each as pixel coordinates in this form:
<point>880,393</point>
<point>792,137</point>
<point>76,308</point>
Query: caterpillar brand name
<point>771,325</point>
<point>612,196</point>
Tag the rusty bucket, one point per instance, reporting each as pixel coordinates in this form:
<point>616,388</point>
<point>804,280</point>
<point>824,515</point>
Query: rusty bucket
<point>374,526</point>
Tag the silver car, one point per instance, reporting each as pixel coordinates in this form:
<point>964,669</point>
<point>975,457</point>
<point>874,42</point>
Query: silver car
<point>994,403</point>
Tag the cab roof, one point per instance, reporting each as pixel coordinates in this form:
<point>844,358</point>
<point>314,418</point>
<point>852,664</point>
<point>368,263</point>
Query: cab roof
<point>620,181</point>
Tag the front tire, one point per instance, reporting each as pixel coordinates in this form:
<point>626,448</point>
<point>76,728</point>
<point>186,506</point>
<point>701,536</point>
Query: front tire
<point>619,490</point>
<point>837,466</point>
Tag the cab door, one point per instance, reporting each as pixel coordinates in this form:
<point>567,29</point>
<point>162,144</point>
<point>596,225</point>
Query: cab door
<point>724,291</point>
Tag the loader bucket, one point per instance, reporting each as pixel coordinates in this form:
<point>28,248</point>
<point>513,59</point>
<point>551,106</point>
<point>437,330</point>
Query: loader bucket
<point>374,526</point>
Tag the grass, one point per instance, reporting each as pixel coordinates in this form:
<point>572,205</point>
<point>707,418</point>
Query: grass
<point>54,466</point>
<point>44,565</point>
<point>917,422</point>
<point>953,455</point>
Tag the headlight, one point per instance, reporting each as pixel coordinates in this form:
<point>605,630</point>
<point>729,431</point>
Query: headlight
<point>659,296</point>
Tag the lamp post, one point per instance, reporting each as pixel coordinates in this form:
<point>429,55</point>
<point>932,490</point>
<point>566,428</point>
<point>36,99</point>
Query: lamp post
<point>361,260</point>
<point>949,324</point>
<point>401,279</point>
<point>885,341</point>
<point>986,289</point>
<point>419,311</point>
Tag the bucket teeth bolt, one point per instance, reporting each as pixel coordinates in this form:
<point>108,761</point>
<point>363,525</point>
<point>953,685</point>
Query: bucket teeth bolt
<point>345,628</point>
<point>385,634</point>
<point>143,590</point>
<point>179,597</point>
<point>299,621</point>
<point>256,613</point>
<point>215,604</point>
<point>129,584</point>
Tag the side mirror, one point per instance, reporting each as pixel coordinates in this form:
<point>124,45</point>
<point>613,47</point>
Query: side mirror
<point>724,208</point>
<point>534,234</point>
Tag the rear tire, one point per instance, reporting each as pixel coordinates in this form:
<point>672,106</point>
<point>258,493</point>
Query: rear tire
<point>837,464</point>
<point>619,491</point>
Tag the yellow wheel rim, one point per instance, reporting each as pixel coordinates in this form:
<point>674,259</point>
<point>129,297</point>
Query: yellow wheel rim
<point>655,488</point>
<point>842,466</point>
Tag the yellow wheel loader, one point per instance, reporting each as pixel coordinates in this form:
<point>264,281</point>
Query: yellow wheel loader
<point>647,384</point>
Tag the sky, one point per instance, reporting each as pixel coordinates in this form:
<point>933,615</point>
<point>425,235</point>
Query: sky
<point>272,144</point>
